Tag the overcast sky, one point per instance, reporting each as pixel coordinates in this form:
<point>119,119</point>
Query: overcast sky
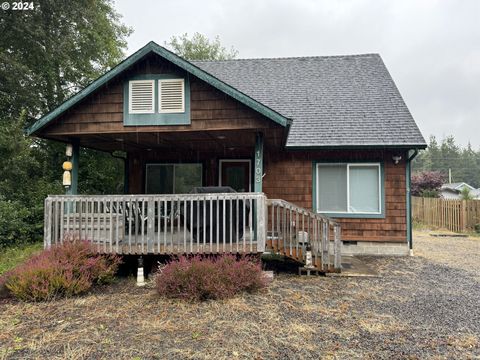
<point>431,48</point>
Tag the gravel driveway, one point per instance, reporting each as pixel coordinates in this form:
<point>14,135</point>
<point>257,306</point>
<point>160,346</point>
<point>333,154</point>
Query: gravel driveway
<point>420,307</point>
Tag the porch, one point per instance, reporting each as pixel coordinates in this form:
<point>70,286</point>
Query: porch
<point>238,223</point>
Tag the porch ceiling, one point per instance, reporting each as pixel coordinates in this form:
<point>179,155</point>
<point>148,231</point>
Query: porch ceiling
<point>192,141</point>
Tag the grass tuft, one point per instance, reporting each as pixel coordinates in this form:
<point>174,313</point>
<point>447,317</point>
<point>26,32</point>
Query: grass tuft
<point>14,255</point>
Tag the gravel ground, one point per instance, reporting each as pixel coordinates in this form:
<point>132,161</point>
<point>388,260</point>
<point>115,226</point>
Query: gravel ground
<point>420,307</point>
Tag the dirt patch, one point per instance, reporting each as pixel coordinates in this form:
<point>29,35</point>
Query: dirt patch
<point>420,307</point>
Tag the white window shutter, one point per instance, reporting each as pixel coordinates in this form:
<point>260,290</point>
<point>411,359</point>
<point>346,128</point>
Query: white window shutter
<point>171,95</point>
<point>141,97</point>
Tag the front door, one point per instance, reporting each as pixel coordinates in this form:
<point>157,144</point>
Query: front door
<point>236,174</point>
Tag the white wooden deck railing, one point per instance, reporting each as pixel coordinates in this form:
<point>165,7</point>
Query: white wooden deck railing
<point>160,224</point>
<point>291,228</point>
<point>193,223</point>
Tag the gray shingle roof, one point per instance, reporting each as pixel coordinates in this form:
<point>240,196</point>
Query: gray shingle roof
<point>332,101</point>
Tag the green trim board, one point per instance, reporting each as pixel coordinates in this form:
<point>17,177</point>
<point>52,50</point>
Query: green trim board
<point>409,216</point>
<point>126,174</point>
<point>380,215</point>
<point>408,173</point>
<point>152,47</point>
<point>156,118</point>
<point>258,163</point>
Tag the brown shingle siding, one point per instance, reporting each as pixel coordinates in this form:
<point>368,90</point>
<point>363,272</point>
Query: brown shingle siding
<point>289,176</point>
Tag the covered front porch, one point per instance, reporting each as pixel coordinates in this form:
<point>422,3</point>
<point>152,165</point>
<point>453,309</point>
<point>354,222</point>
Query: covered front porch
<point>163,212</point>
<point>174,203</point>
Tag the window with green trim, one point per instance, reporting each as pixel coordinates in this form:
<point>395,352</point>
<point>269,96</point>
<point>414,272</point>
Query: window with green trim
<point>157,99</point>
<point>349,188</point>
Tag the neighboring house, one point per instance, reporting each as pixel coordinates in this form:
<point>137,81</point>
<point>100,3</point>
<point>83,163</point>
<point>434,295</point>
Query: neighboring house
<point>329,136</point>
<point>453,190</point>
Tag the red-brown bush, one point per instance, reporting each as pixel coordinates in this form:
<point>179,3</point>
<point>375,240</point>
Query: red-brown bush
<point>64,270</point>
<point>203,278</point>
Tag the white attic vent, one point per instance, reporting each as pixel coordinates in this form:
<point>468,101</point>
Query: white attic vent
<point>171,96</point>
<point>141,97</point>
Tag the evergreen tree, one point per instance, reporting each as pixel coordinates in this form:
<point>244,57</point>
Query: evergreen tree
<point>464,164</point>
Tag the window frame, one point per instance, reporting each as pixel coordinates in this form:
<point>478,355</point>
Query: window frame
<point>224,160</point>
<point>348,213</point>
<point>174,164</point>
<point>157,117</point>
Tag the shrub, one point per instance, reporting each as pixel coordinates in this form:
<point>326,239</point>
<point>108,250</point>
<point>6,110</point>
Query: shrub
<point>427,183</point>
<point>203,278</point>
<point>65,270</point>
<point>13,223</point>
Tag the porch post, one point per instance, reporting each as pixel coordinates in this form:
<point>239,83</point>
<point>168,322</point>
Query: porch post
<point>258,174</point>
<point>73,189</point>
<point>257,187</point>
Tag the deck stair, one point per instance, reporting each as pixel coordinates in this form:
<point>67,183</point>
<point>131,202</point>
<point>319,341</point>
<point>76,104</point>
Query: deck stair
<point>291,229</point>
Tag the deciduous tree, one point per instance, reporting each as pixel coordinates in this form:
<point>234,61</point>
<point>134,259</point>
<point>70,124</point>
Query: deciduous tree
<point>47,54</point>
<point>199,47</point>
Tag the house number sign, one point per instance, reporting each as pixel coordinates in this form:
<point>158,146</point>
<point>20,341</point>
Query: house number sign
<point>258,171</point>
<point>258,166</point>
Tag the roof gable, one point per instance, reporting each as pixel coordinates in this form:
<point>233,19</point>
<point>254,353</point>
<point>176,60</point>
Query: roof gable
<point>457,186</point>
<point>152,47</point>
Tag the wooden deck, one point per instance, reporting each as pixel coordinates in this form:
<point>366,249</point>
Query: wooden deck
<point>240,223</point>
<point>177,242</point>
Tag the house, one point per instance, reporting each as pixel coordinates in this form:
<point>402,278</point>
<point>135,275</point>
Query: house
<point>453,190</point>
<point>318,148</point>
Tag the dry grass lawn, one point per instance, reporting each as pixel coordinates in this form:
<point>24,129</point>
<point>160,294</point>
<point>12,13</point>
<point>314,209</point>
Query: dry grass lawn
<point>420,307</point>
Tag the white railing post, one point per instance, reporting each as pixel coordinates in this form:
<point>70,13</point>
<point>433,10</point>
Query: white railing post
<point>337,264</point>
<point>47,228</point>
<point>261,223</point>
<point>325,245</point>
<point>151,223</point>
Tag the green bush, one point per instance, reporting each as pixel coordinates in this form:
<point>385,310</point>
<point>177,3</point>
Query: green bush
<point>13,223</point>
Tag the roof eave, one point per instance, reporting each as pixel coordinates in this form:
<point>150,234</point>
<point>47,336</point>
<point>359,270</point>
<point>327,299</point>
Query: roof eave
<point>356,146</point>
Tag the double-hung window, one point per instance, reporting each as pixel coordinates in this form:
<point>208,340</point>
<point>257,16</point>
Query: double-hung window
<point>349,188</point>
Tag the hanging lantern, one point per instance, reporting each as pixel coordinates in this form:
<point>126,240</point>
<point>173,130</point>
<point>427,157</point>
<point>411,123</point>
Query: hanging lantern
<point>67,166</point>
<point>67,178</point>
<point>69,150</point>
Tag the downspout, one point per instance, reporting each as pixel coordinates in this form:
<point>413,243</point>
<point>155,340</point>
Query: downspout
<point>409,199</point>
<point>125,171</point>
